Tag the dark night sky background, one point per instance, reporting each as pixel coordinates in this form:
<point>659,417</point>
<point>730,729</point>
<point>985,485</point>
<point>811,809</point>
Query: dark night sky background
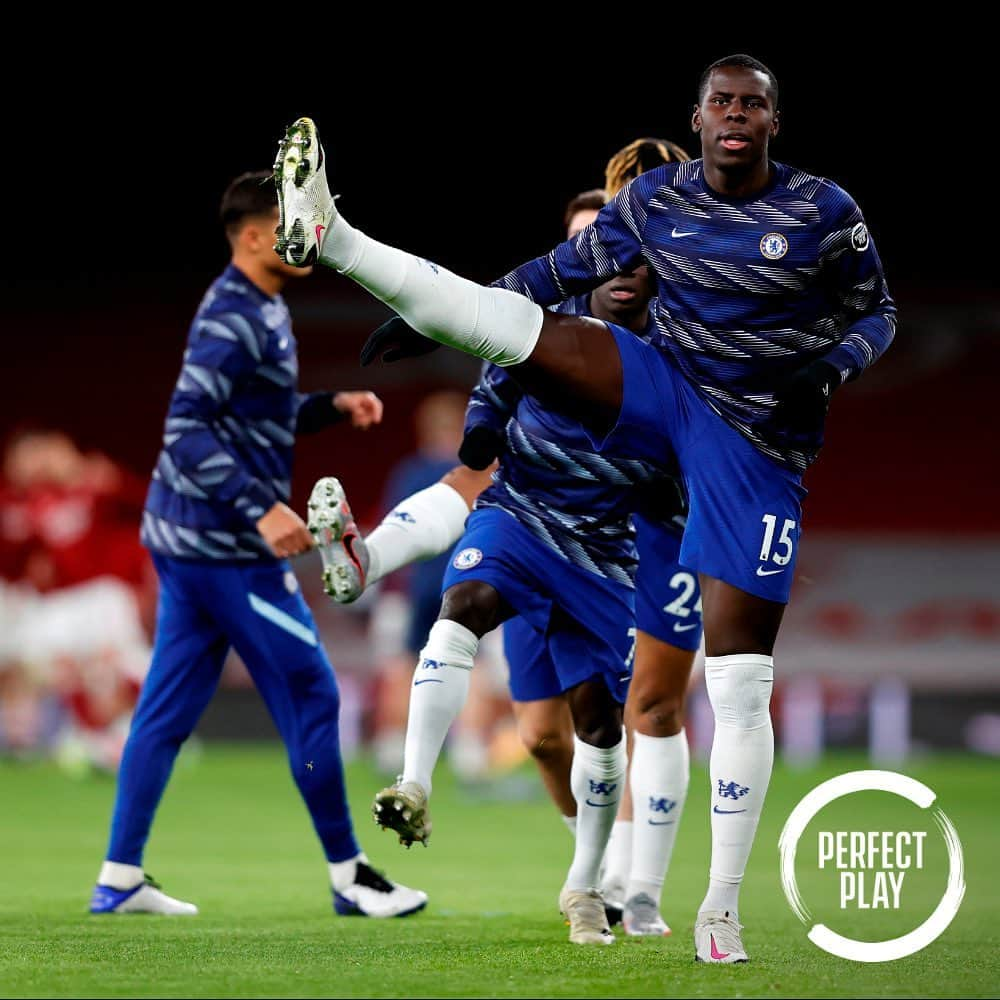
<point>461,140</point>
<point>465,150</point>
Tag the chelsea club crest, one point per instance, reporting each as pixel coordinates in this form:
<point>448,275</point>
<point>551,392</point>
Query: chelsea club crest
<point>467,558</point>
<point>774,246</point>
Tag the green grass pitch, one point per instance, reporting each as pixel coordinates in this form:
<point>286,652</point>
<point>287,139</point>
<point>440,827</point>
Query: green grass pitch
<point>233,836</point>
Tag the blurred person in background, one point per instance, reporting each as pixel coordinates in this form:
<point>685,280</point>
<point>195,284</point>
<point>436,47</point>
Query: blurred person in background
<point>408,604</point>
<point>218,525</point>
<point>77,597</point>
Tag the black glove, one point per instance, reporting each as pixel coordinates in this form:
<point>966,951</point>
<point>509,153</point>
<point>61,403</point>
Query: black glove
<point>803,401</point>
<point>480,446</point>
<point>394,340</point>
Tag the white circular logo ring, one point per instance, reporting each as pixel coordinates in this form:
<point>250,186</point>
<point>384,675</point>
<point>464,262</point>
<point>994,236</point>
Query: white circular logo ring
<point>872,951</point>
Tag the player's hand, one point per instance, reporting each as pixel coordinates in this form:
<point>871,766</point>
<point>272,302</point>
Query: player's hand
<point>480,447</point>
<point>803,401</point>
<point>395,340</point>
<point>285,532</point>
<point>363,407</point>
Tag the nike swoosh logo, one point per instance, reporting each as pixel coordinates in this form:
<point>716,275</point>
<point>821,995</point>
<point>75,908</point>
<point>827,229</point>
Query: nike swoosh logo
<point>768,572</point>
<point>319,235</point>
<point>716,954</point>
<point>684,628</point>
<point>727,812</point>
<point>676,235</point>
<point>662,822</point>
<point>428,680</point>
<point>601,805</point>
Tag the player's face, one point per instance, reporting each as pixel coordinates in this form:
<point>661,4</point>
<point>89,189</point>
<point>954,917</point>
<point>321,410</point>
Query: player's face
<point>736,118</point>
<point>580,221</point>
<point>625,295</point>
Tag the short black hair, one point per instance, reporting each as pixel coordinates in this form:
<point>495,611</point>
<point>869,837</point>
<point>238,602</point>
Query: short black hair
<point>746,62</point>
<point>251,193</point>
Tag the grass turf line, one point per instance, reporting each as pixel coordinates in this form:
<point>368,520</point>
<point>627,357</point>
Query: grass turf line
<point>233,836</point>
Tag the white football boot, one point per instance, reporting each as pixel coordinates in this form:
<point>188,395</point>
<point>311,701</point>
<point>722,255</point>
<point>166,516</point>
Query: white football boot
<point>146,897</point>
<point>371,894</point>
<point>402,808</point>
<point>584,912</point>
<point>341,547</point>
<point>305,205</point>
<point>641,917</point>
<point>717,938</point>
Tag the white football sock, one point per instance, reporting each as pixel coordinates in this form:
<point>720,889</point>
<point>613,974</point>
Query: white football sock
<point>618,856</point>
<point>597,780</point>
<point>440,687</point>
<point>491,323</point>
<point>120,876</point>
<point>342,873</point>
<point>420,527</point>
<point>659,779</point>
<point>739,688</point>
<point>570,822</point>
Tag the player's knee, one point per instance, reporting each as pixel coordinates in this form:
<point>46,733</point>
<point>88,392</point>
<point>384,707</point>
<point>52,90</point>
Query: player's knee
<point>657,714</point>
<point>740,689</point>
<point>474,604</point>
<point>602,733</point>
<point>545,742</point>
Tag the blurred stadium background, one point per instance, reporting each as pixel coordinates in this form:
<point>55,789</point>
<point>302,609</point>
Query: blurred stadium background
<point>892,638</point>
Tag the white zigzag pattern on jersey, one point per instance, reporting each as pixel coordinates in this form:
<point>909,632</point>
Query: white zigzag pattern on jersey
<point>567,546</point>
<point>667,198</point>
<point>580,464</point>
<point>688,270</point>
<point>696,335</point>
<point>807,213</point>
<point>795,281</point>
<point>807,184</point>
<point>715,207</point>
<point>688,171</point>
<point>628,213</point>
<point>738,276</point>
<point>276,433</point>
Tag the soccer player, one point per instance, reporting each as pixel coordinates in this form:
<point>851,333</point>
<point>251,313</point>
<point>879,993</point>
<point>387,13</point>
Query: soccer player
<point>542,707</point>
<point>770,294</point>
<point>219,528</point>
<point>668,626</point>
<point>550,541</point>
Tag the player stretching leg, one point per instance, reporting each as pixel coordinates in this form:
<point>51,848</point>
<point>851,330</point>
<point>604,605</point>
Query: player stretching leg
<point>770,294</point>
<point>667,598</point>
<point>425,524</point>
<point>563,561</point>
<point>549,540</point>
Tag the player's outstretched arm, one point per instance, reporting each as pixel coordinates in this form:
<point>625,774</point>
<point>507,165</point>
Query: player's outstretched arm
<point>319,410</point>
<point>612,243</point>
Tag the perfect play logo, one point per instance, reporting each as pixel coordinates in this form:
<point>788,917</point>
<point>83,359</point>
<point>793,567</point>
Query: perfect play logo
<point>876,869</point>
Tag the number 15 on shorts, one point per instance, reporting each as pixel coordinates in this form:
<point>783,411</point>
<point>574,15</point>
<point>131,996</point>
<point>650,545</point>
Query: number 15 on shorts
<point>777,551</point>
